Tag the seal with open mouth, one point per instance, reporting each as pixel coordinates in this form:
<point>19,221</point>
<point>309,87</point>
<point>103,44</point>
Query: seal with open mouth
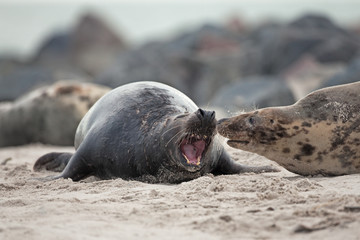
<point>320,134</point>
<point>146,131</point>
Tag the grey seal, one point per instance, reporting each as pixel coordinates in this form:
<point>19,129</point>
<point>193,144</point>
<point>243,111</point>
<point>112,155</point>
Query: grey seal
<point>145,131</point>
<point>319,134</point>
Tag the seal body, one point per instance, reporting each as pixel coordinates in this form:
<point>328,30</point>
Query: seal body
<point>146,131</point>
<point>320,134</point>
<point>35,117</point>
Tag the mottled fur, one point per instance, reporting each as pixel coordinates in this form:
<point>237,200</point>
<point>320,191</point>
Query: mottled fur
<point>320,134</point>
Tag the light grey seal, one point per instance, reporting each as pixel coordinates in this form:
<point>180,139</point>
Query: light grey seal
<point>320,134</point>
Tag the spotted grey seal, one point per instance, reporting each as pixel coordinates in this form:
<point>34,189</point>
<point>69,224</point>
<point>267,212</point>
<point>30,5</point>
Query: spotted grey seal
<point>319,134</point>
<point>146,131</point>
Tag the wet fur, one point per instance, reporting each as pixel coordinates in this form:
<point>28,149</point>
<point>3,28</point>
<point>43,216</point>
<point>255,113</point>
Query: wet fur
<point>135,131</point>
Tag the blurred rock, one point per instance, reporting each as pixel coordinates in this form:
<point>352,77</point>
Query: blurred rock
<point>307,74</point>
<point>152,62</point>
<point>349,75</point>
<point>94,46</point>
<point>199,62</point>
<point>91,46</point>
<point>275,47</point>
<point>47,115</point>
<point>252,93</point>
<point>85,51</point>
<point>21,80</point>
<point>185,62</point>
<point>54,51</point>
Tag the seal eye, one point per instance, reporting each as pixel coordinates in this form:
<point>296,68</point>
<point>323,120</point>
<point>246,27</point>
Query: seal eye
<point>271,121</point>
<point>252,120</point>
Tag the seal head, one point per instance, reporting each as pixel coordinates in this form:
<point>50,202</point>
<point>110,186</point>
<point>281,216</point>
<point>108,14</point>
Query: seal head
<point>189,137</point>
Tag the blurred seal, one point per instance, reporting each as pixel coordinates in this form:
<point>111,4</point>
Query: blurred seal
<point>48,114</point>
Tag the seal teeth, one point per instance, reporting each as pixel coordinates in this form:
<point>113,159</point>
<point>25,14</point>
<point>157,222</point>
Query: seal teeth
<point>188,161</point>
<point>198,161</point>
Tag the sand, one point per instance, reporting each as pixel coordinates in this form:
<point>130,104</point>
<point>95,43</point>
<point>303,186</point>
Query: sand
<point>249,206</point>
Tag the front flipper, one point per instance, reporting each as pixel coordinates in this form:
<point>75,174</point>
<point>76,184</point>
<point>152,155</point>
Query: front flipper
<point>54,161</point>
<point>74,166</point>
<point>227,166</point>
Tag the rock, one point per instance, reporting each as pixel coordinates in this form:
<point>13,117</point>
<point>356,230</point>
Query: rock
<point>154,61</point>
<point>208,39</point>
<point>195,63</point>
<point>253,92</point>
<point>85,51</point>
<point>275,47</point>
<point>307,74</point>
<point>348,75</point>
<point>48,115</point>
<point>54,51</point>
<point>94,45</point>
<point>21,79</point>
<point>91,46</point>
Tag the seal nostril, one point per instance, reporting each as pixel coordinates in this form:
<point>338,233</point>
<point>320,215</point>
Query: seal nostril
<point>212,115</point>
<point>200,113</point>
<point>252,120</point>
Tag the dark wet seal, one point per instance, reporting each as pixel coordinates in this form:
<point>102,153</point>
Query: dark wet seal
<point>145,131</point>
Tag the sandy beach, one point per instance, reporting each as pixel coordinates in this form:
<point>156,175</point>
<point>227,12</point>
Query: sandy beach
<point>279,205</point>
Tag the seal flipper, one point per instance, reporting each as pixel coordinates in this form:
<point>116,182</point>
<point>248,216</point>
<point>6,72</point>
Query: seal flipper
<point>77,168</point>
<point>228,166</point>
<point>72,165</point>
<point>53,161</point>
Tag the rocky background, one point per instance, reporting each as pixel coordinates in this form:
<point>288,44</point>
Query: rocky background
<point>230,67</point>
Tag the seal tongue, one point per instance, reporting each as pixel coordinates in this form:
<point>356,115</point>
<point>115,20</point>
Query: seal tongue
<point>192,151</point>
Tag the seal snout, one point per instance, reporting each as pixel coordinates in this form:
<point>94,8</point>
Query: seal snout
<point>205,116</point>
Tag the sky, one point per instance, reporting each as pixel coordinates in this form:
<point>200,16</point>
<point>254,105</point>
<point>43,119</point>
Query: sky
<point>26,23</point>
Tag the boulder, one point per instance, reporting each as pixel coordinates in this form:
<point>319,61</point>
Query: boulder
<point>91,47</point>
<point>252,93</point>
<point>275,47</point>
<point>307,74</point>
<point>349,75</point>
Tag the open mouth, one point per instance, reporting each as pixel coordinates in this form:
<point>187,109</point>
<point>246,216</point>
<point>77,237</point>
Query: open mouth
<point>193,148</point>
